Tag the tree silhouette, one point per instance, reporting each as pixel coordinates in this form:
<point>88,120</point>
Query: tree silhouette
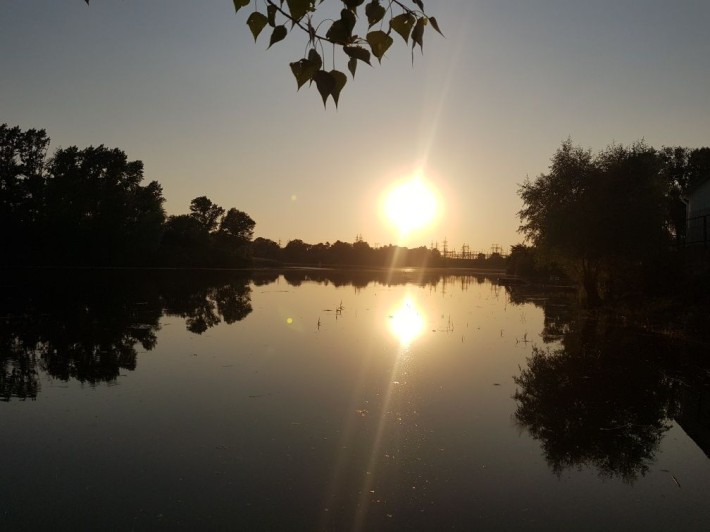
<point>207,237</point>
<point>237,225</point>
<point>265,248</point>
<point>206,213</point>
<point>599,216</point>
<point>22,191</point>
<point>97,211</point>
<point>89,207</point>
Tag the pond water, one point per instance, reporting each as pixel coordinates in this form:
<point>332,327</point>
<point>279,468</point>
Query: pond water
<point>320,400</point>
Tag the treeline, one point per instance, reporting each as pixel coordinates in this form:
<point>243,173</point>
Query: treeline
<point>207,237</point>
<point>612,221</point>
<point>90,207</point>
<point>361,254</point>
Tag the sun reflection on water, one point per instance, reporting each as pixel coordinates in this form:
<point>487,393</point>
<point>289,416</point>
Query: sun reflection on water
<point>406,322</point>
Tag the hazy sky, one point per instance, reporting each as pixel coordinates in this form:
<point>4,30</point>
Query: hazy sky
<point>180,85</point>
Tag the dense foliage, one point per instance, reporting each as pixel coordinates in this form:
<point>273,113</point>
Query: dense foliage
<point>207,237</point>
<point>89,207</point>
<point>611,219</point>
<point>76,208</point>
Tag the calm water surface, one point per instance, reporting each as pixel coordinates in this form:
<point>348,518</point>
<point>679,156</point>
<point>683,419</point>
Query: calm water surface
<point>336,401</point>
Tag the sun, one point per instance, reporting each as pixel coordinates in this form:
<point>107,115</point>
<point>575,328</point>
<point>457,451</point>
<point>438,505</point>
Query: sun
<point>411,205</point>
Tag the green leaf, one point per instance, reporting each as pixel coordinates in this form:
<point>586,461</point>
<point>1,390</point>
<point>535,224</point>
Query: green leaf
<point>325,84</point>
<point>349,20</point>
<point>314,57</point>
<point>352,66</point>
<point>271,14</point>
<point>358,52</point>
<point>379,42</point>
<point>435,25</point>
<point>340,81</point>
<point>279,34</point>
<point>375,12</point>
<point>338,32</point>
<point>256,22</point>
<point>238,4</point>
<point>298,8</point>
<point>403,25</point>
<point>418,33</point>
<point>303,71</point>
<point>420,4</point>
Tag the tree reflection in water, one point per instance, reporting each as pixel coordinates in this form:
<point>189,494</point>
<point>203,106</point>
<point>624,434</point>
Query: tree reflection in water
<point>204,305</point>
<point>603,397</point>
<point>87,326</point>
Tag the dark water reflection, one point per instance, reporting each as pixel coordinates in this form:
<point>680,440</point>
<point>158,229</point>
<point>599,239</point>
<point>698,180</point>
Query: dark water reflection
<point>603,396</point>
<point>88,325</point>
<point>322,400</point>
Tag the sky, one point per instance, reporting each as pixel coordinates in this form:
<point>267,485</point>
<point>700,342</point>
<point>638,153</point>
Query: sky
<point>181,86</point>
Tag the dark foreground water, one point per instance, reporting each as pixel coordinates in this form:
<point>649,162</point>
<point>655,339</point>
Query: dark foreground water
<point>324,401</point>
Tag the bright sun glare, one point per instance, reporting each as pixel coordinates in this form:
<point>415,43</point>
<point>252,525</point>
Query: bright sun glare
<point>406,322</point>
<point>411,205</point>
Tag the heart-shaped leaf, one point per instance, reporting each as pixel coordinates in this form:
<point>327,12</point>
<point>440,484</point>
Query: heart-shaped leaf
<point>338,32</point>
<point>374,12</point>
<point>279,34</point>
<point>403,25</point>
<point>271,10</point>
<point>325,84</point>
<point>379,42</point>
<point>418,33</point>
<point>435,25</point>
<point>349,20</point>
<point>340,81</point>
<point>298,8</point>
<point>314,57</point>
<point>303,71</point>
<point>358,52</point>
<point>256,22</point>
<point>238,4</point>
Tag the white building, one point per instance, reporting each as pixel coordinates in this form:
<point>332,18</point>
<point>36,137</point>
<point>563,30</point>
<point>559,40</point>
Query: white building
<point>698,211</point>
